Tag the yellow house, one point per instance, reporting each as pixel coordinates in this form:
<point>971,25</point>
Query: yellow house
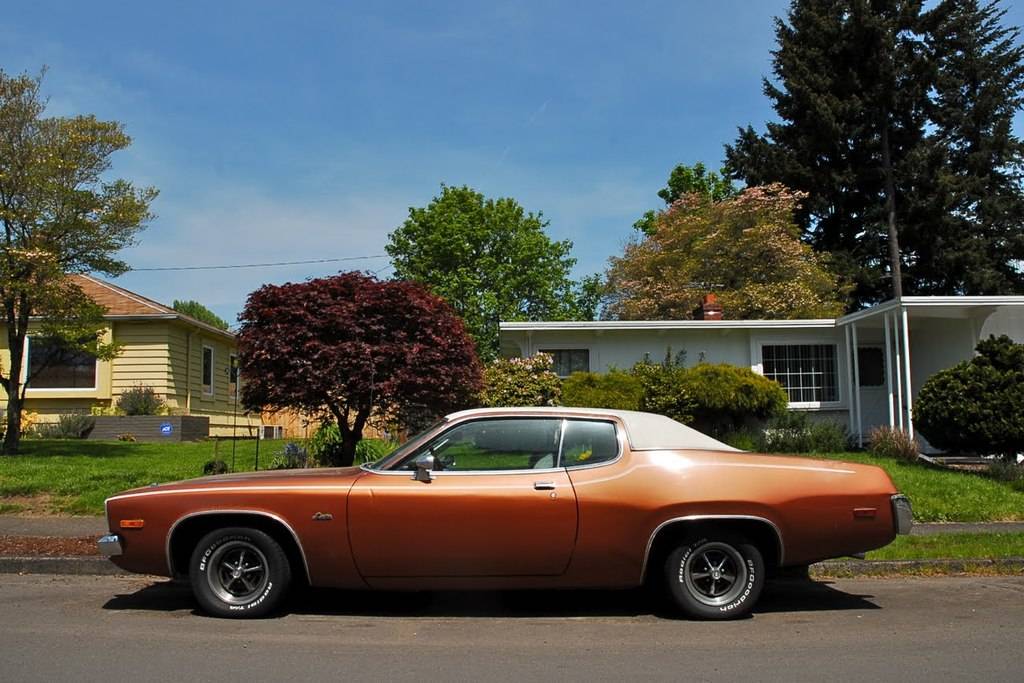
<point>191,365</point>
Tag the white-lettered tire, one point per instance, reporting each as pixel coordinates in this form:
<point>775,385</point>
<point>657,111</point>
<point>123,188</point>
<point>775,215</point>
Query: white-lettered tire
<point>715,576</point>
<point>238,572</point>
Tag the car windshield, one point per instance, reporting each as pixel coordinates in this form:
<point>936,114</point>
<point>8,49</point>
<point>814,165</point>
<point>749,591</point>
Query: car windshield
<point>404,449</point>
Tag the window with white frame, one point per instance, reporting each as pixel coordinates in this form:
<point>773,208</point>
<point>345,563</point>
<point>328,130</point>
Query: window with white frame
<point>51,365</point>
<point>208,370</point>
<point>808,372</point>
<point>568,361</point>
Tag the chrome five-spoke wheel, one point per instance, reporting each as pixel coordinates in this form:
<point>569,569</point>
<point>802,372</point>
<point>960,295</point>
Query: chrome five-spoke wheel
<point>714,573</point>
<point>238,572</point>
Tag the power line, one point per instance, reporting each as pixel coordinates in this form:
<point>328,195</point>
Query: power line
<point>264,265</point>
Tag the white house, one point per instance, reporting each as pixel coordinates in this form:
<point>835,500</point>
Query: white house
<point>899,346</point>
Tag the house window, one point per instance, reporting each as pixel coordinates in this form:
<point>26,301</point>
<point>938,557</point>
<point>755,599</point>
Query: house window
<point>208,370</point>
<point>806,371</point>
<point>53,366</point>
<point>568,361</point>
<point>233,377</point>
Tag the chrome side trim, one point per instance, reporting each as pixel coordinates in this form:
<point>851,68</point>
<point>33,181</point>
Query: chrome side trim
<point>258,513</point>
<point>696,518</point>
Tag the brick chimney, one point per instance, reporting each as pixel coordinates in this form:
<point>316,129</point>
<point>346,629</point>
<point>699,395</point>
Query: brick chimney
<point>710,309</point>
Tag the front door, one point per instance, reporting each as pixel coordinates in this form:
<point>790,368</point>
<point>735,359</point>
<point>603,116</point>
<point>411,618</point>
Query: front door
<point>497,506</point>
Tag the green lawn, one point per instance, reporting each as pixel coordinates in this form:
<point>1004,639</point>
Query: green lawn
<point>77,475</point>
<point>952,546</point>
<point>944,495</point>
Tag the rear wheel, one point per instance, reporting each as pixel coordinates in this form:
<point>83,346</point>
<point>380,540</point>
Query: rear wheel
<point>715,576</point>
<point>239,572</point>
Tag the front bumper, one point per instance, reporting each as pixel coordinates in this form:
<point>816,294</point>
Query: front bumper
<point>902,514</point>
<point>109,545</point>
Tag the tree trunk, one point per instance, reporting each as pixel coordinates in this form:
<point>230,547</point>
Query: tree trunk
<point>12,385</point>
<point>890,211</point>
<point>347,454</point>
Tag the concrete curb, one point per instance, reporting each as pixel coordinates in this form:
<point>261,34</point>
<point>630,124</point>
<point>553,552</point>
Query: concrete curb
<point>84,565</point>
<point>854,568</point>
<point>101,566</point>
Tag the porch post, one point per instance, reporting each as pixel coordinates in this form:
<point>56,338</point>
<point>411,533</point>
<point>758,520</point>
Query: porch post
<point>906,372</point>
<point>888,370</point>
<point>849,377</point>
<point>856,386</point>
<point>899,372</point>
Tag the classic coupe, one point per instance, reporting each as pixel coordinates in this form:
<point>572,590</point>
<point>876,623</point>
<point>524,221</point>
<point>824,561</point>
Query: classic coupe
<point>509,499</point>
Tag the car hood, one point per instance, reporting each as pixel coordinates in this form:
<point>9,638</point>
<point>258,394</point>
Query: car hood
<point>327,476</point>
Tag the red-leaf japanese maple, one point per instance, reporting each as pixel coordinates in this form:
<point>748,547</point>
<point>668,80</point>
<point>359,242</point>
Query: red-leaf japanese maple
<point>351,346</point>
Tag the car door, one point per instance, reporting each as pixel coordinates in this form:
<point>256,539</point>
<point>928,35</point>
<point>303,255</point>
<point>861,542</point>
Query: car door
<point>496,505</point>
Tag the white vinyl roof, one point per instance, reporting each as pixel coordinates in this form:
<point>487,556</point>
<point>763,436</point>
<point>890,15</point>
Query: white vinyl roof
<point>645,431</point>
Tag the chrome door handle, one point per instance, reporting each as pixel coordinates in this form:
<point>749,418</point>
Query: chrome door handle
<point>544,485</point>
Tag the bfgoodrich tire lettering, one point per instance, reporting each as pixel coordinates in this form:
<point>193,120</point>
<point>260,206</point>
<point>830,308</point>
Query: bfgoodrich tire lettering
<point>715,576</point>
<point>238,572</point>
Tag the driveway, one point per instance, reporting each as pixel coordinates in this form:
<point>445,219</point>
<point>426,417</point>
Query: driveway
<point>116,628</point>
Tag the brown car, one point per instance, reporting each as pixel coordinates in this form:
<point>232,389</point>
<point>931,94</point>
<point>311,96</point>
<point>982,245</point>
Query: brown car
<point>513,498</point>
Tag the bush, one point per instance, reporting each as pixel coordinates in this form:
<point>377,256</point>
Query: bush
<point>69,426</point>
<point>1010,472</point>
<point>529,381</point>
<point>664,389</point>
<point>140,400</point>
<point>368,450</point>
<point>743,439</point>
<point>293,457</point>
<point>215,467</point>
<point>795,432</point>
<point>892,442</point>
<point>727,396</point>
<point>325,444</point>
<point>977,406</point>
<point>617,390</point>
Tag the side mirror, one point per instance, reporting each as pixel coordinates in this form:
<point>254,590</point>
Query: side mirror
<point>424,466</point>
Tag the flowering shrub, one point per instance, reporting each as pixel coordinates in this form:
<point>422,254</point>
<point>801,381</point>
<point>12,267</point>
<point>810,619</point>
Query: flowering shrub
<point>510,382</point>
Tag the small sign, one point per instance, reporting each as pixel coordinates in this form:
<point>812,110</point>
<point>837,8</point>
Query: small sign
<point>166,428</point>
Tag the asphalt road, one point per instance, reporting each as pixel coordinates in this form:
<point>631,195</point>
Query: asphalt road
<point>114,628</point>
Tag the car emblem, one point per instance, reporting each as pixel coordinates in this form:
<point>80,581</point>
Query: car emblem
<point>322,517</point>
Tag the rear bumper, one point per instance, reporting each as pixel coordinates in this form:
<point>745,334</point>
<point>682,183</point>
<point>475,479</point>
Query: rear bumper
<point>109,545</point>
<point>902,514</point>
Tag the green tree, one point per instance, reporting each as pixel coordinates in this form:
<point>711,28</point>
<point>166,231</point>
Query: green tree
<point>851,85</point>
<point>979,87</point>
<point>200,312</point>
<point>492,261</point>
<point>59,215</point>
<point>747,250</point>
<point>686,180</point>
<point>897,123</point>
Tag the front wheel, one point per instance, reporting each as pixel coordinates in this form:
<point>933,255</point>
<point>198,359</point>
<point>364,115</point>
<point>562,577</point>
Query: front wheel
<point>239,573</point>
<point>715,576</point>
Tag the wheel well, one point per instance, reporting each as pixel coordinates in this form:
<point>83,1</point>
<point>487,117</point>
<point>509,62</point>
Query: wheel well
<point>187,534</point>
<point>759,532</point>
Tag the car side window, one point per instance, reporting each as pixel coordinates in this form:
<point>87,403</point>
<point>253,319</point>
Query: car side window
<point>494,445</point>
<point>589,442</point>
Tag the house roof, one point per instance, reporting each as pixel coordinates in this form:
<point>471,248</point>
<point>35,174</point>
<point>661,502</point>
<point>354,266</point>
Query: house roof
<point>121,304</point>
<point>940,306</point>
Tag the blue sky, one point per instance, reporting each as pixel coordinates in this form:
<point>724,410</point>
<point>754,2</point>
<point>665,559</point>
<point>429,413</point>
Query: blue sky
<point>285,132</point>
